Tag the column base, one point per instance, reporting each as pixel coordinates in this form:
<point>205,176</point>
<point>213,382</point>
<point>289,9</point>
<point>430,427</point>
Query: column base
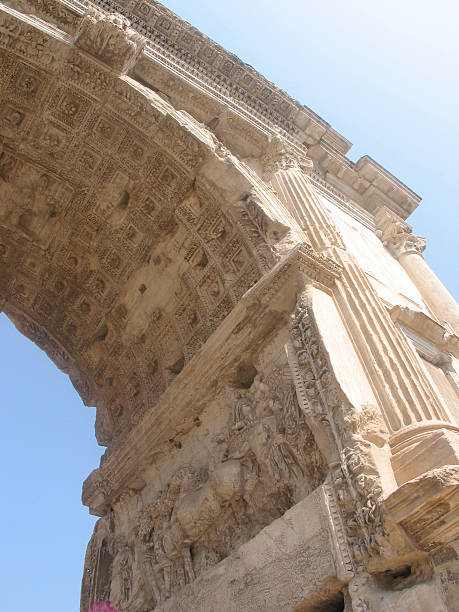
<point>427,508</point>
<point>424,448</point>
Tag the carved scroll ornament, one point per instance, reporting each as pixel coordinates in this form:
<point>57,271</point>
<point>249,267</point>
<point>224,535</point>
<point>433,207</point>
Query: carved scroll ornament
<point>354,477</point>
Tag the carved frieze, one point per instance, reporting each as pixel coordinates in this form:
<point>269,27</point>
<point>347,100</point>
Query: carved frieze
<point>266,459</point>
<point>160,271</point>
<point>66,15</point>
<point>27,42</point>
<point>176,39</point>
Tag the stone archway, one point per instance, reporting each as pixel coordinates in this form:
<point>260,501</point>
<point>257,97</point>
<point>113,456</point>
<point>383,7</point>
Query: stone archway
<point>127,231</point>
<point>207,304</point>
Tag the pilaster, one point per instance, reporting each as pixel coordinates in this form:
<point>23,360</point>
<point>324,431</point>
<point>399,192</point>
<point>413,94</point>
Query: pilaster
<point>405,395</point>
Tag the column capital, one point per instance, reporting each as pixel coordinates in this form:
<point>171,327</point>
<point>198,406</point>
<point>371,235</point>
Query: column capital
<point>279,155</point>
<point>396,235</point>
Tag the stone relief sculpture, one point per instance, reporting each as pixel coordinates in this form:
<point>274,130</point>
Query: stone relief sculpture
<point>166,231</point>
<point>167,547</point>
<point>97,577</point>
<point>110,38</point>
<point>268,459</point>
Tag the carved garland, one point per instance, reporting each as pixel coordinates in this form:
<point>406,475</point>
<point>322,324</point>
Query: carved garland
<point>353,482</point>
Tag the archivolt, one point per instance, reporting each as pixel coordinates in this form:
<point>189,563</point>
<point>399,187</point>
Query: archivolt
<point>127,233</point>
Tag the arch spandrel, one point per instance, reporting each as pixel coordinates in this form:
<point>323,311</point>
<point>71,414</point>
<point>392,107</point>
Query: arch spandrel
<point>127,232</point>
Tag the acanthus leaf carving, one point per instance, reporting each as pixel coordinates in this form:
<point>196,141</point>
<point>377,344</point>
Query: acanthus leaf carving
<point>396,235</point>
<point>280,156</point>
<point>348,433</point>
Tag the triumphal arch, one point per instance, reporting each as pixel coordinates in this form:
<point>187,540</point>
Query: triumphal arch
<point>274,364</point>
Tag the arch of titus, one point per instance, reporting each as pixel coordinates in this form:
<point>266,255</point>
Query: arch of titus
<point>274,364</point>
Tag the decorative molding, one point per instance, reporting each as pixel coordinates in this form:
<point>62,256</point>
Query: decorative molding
<point>193,59</point>
<point>354,477</point>
<point>161,272</point>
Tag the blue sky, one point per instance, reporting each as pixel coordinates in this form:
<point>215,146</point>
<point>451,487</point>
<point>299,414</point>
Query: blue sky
<point>385,75</point>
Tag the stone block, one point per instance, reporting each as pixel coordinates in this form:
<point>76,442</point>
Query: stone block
<point>289,565</point>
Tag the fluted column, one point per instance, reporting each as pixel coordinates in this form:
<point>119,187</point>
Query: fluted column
<point>404,392</point>
<point>407,248</point>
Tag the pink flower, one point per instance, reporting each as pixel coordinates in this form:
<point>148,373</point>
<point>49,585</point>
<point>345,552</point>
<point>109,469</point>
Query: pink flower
<point>102,606</point>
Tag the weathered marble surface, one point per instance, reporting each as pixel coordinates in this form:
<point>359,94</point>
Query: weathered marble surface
<point>274,367</point>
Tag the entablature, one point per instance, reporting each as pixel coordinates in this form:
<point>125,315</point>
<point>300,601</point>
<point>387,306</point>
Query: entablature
<point>181,61</point>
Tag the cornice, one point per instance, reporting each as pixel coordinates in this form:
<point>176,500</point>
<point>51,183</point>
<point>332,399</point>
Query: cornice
<point>398,193</point>
<point>365,182</point>
<point>175,39</point>
<point>198,61</point>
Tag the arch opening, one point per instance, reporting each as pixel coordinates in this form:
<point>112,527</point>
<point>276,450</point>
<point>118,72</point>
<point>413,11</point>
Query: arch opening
<point>127,232</point>
<point>47,449</point>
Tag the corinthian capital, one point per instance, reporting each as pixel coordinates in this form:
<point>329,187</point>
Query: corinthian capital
<point>396,235</point>
<point>402,242</point>
<point>280,156</point>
